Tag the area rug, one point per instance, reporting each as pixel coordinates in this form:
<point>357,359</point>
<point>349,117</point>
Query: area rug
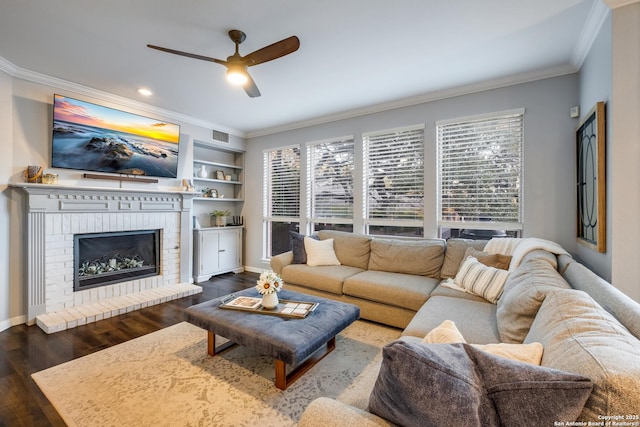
<point>166,378</point>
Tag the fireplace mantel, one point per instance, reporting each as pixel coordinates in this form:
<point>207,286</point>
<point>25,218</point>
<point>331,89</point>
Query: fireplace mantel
<point>60,198</point>
<point>55,211</point>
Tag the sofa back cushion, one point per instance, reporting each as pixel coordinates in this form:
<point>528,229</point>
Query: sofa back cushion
<point>419,257</point>
<point>623,308</point>
<point>351,249</point>
<point>455,253</point>
<point>523,293</point>
<point>579,336</point>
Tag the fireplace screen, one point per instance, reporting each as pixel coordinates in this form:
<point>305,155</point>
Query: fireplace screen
<point>106,258</point>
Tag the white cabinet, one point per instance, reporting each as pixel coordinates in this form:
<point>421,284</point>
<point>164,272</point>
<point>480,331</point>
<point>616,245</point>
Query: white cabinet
<point>216,251</point>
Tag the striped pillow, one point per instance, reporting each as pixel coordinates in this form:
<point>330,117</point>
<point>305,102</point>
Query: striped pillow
<point>481,280</point>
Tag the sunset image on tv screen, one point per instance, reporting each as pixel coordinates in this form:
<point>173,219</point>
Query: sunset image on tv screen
<point>93,137</point>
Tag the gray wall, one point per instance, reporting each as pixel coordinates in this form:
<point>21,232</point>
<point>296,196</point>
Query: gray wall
<point>595,85</point>
<point>9,298</point>
<point>548,157</point>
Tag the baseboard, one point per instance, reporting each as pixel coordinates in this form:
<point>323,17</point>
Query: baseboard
<point>13,321</point>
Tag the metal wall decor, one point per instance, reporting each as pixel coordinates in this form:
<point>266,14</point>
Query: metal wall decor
<point>590,184</point>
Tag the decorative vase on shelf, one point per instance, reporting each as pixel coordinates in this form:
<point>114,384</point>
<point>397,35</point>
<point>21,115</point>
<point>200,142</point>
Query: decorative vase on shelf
<point>221,221</point>
<point>270,301</point>
<point>202,173</point>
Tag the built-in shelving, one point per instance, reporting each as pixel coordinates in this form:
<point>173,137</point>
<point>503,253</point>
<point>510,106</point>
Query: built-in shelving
<point>224,173</point>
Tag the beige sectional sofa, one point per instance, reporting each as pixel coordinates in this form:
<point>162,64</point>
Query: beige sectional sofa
<point>586,326</point>
<point>389,279</point>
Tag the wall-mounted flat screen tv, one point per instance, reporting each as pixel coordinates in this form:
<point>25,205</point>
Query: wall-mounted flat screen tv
<point>96,138</point>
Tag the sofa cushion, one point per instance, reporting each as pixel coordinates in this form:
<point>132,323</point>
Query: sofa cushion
<point>400,290</point>
<point>445,290</point>
<point>579,336</point>
<point>481,280</point>
<point>476,320</point>
<point>490,260</point>
<point>454,255</point>
<point>417,383</point>
<point>524,291</point>
<point>419,257</point>
<point>351,249</point>
<point>320,252</point>
<point>323,278</point>
<point>540,254</point>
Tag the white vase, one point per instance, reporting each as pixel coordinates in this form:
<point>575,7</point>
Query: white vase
<point>202,173</point>
<point>270,301</point>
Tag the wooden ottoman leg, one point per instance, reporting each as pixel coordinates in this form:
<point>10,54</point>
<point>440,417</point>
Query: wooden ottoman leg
<point>212,350</point>
<point>283,380</point>
<point>211,343</point>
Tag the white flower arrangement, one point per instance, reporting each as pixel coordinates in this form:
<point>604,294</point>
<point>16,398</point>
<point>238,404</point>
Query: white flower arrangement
<point>269,282</point>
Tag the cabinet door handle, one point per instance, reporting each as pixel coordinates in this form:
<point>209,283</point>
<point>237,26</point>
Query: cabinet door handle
<point>221,250</point>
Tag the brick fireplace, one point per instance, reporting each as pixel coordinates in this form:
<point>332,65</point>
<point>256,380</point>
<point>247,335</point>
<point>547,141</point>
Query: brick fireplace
<point>57,214</point>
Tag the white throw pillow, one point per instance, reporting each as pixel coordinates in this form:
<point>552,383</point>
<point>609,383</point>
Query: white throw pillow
<point>447,333</point>
<point>320,252</point>
<point>527,353</point>
<point>479,279</point>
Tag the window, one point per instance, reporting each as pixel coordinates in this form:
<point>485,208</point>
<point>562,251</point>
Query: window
<point>281,194</point>
<point>330,184</point>
<point>394,181</point>
<point>479,175</point>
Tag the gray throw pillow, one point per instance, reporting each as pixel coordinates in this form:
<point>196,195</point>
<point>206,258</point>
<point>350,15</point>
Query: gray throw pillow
<point>458,384</point>
<point>297,247</point>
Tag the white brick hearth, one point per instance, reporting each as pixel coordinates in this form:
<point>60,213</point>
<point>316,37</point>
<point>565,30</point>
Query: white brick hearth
<point>56,214</point>
<point>104,308</point>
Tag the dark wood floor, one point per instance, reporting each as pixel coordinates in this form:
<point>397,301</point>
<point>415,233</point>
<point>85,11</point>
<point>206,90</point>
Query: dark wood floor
<point>27,349</point>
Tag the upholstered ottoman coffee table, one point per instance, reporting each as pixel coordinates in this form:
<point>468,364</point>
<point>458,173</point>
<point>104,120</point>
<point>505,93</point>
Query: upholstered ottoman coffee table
<point>291,341</point>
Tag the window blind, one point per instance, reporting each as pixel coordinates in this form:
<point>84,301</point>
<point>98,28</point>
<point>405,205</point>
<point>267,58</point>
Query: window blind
<point>330,183</point>
<point>282,183</point>
<point>480,171</point>
<point>394,176</point>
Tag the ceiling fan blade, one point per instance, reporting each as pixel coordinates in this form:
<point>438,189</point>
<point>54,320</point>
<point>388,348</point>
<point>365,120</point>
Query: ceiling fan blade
<point>251,88</point>
<point>188,55</point>
<point>273,51</point>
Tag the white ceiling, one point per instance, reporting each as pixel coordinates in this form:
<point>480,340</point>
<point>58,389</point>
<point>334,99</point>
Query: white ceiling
<point>354,56</point>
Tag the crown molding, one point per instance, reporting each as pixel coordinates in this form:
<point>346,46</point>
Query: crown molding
<point>422,99</point>
<point>7,66</point>
<point>614,4</point>
<point>66,85</point>
<point>597,16</point>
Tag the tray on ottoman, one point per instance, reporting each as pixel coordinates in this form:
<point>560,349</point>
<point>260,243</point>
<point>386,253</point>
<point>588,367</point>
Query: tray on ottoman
<point>285,308</point>
<point>291,341</point>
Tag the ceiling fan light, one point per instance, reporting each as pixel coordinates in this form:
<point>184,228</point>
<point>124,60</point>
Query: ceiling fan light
<point>237,75</point>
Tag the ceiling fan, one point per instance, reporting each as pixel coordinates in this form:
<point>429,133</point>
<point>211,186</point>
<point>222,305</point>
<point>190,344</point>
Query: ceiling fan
<point>237,64</point>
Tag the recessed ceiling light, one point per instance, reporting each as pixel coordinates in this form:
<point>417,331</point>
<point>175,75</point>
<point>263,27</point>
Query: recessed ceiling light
<point>145,92</point>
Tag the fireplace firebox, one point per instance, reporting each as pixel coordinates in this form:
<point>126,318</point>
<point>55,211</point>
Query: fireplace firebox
<point>106,258</point>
